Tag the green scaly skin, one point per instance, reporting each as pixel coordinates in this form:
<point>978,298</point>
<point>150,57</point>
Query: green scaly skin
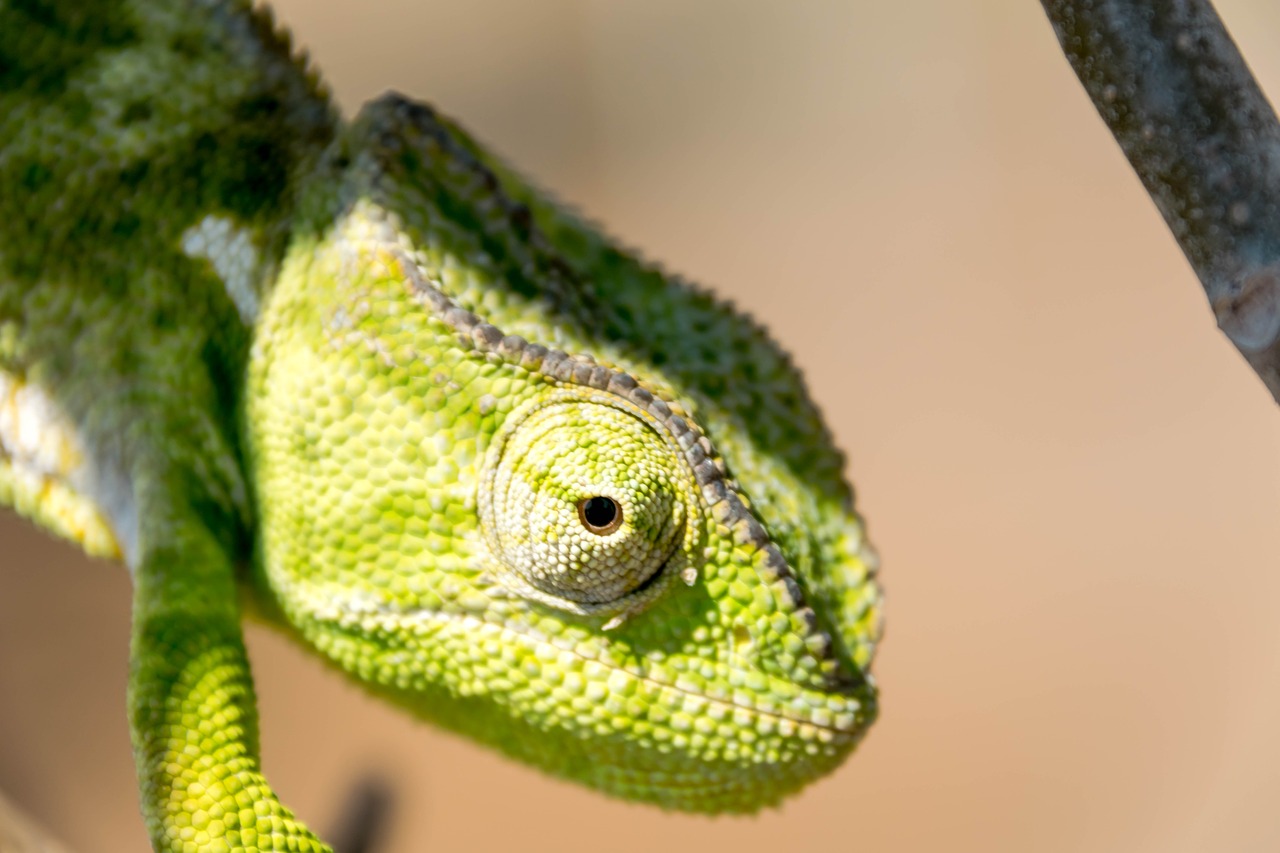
<point>368,380</point>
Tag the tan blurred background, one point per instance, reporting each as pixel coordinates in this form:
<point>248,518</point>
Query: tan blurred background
<point>1073,479</point>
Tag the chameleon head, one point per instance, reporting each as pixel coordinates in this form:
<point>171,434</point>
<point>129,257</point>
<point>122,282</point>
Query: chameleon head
<point>617,568</point>
<point>702,680</point>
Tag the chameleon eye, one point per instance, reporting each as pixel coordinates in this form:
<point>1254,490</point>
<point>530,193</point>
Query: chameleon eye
<point>600,515</point>
<point>582,504</point>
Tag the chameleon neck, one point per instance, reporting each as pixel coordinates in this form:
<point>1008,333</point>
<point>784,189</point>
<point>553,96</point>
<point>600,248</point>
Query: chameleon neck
<point>169,141</point>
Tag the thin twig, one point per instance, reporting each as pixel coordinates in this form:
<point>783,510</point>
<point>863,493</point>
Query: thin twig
<point>1176,94</point>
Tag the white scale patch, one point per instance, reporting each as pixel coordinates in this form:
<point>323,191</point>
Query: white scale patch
<point>43,447</point>
<point>230,250</point>
<point>35,435</point>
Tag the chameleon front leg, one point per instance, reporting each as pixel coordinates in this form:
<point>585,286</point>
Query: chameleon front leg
<point>192,708</point>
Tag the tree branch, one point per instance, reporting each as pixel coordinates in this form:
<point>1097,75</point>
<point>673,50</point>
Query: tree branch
<point>1176,94</point>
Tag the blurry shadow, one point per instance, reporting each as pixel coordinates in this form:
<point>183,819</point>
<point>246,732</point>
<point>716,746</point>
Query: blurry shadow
<point>365,817</point>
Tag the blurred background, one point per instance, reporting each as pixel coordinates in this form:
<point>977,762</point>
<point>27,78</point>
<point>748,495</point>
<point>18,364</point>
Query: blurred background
<point>1073,479</point>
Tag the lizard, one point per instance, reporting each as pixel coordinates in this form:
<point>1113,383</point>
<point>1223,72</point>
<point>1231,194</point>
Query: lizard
<point>361,380</point>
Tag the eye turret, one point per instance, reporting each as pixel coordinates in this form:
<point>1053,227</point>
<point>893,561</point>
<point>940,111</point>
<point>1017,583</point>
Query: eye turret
<point>583,501</point>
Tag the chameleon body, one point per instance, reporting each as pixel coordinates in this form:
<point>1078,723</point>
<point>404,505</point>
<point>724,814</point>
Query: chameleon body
<point>362,380</point>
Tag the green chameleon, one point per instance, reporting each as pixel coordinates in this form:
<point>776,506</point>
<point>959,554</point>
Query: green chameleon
<point>362,381</point>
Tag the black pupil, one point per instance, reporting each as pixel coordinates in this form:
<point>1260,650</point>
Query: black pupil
<point>599,512</point>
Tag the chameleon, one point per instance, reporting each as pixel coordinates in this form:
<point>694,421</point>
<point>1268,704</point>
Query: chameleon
<point>361,380</point>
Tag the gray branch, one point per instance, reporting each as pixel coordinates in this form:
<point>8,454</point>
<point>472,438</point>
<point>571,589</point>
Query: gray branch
<point>1176,94</point>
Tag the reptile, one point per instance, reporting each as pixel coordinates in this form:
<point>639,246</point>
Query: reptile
<point>361,380</point>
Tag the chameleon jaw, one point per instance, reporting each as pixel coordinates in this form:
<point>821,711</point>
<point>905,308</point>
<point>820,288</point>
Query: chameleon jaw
<point>846,705</point>
<point>770,746</point>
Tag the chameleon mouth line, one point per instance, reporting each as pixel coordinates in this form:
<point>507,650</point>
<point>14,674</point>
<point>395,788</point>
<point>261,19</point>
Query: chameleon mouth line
<point>337,614</point>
